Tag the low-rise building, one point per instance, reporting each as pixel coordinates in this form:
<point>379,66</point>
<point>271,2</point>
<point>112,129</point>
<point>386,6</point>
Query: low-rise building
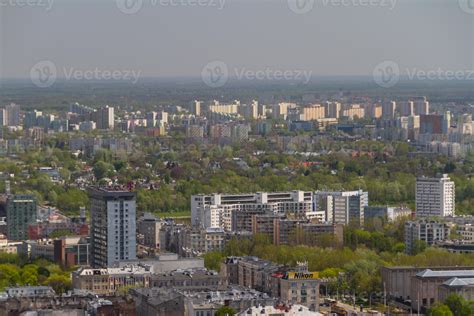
<point>424,231</point>
<point>425,284</point>
<point>463,287</point>
<point>108,281</point>
<point>30,291</point>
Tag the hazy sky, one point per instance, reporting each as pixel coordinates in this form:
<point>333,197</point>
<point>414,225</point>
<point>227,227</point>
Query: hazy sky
<point>161,40</point>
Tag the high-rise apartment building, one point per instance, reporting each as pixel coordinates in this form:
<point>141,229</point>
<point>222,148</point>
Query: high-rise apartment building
<point>388,109</point>
<point>196,108</point>
<point>3,117</point>
<point>21,211</point>
<point>345,207</point>
<point>105,118</point>
<point>113,225</point>
<point>435,196</point>
<point>332,109</point>
<point>12,113</point>
<point>422,106</point>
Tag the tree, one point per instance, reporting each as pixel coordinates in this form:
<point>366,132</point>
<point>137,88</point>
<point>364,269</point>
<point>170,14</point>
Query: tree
<point>459,306</point>
<point>440,310</point>
<point>225,311</point>
<point>59,283</point>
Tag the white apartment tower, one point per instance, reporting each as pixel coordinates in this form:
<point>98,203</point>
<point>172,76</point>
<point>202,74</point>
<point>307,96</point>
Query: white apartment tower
<point>113,226</point>
<point>435,197</point>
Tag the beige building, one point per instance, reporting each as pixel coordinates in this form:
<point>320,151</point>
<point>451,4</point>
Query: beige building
<point>216,107</point>
<point>312,113</point>
<point>110,280</point>
<point>354,111</point>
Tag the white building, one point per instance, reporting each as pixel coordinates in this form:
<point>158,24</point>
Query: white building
<point>435,197</point>
<point>113,226</point>
<point>233,211</point>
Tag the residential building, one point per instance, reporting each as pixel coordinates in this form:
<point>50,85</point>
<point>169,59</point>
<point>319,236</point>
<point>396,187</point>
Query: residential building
<point>196,108</point>
<point>435,196</point>
<point>113,225</point>
<point>12,114</point>
<point>105,118</point>
<point>21,211</point>
<point>233,211</point>
<point>426,232</point>
<point>343,207</point>
<point>332,109</point>
<point>107,281</point>
<point>385,213</point>
<point>284,231</point>
<point>30,291</point>
<point>280,310</point>
<point>388,110</point>
<point>149,227</point>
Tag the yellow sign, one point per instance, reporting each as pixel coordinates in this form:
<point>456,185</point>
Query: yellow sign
<point>302,275</point>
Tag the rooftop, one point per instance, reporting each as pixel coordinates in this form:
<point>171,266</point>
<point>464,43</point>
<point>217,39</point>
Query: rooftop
<point>428,273</point>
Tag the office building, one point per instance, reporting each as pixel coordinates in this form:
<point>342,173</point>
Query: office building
<point>21,212</point>
<point>113,225</point>
<point>435,196</point>
<point>425,232</point>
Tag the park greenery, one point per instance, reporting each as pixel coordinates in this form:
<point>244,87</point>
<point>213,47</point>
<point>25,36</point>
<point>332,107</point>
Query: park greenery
<point>17,271</point>
<point>353,269</point>
<point>454,305</point>
<point>166,172</point>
